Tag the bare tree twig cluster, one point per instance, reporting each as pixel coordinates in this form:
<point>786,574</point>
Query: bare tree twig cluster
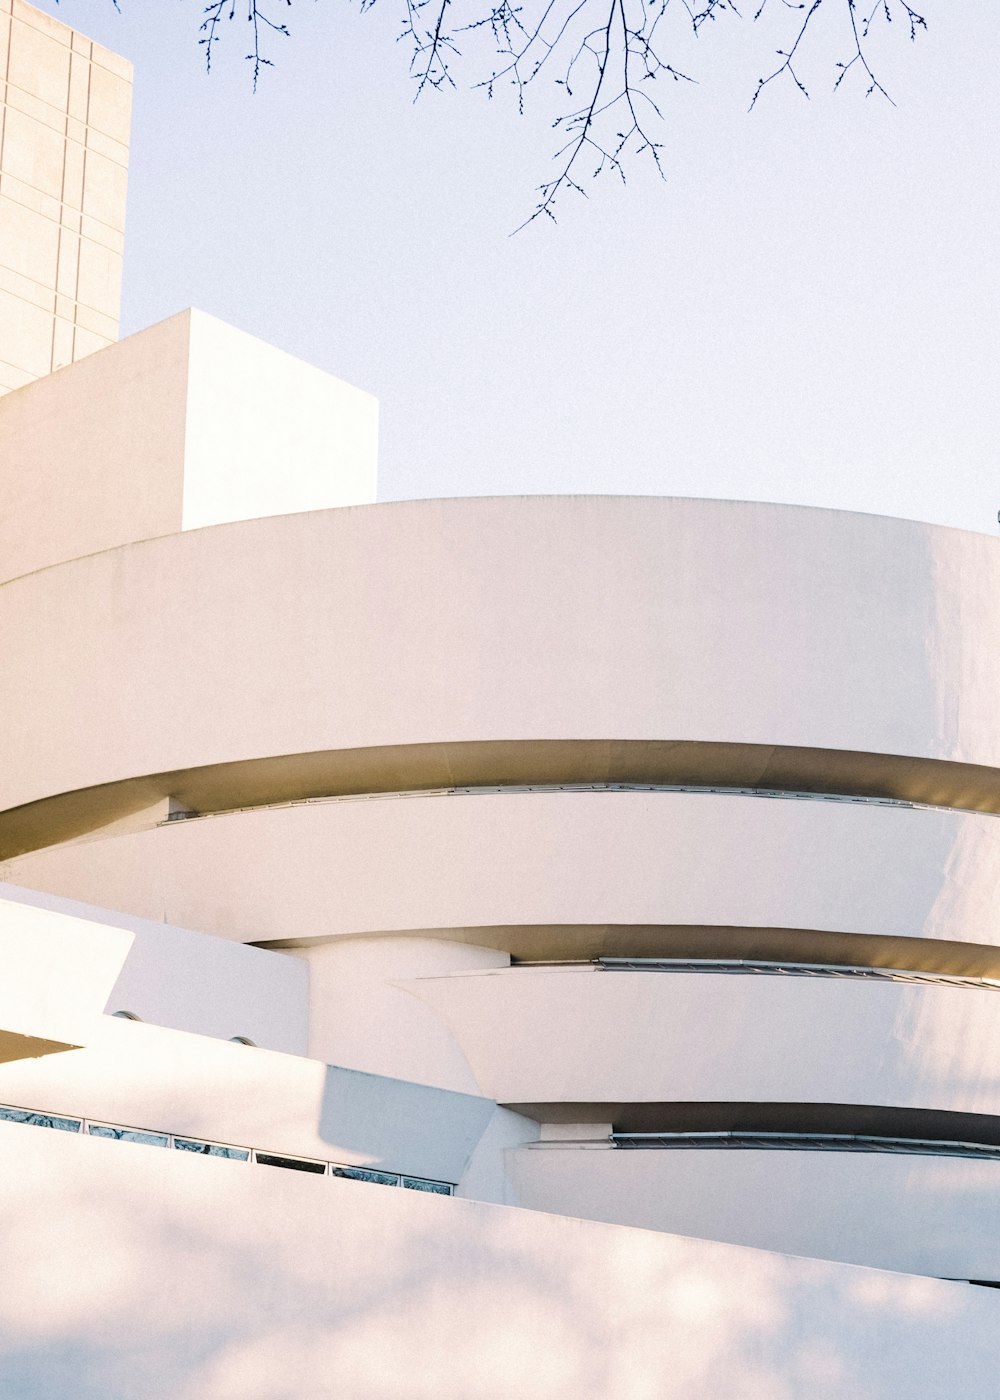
<point>606,56</point>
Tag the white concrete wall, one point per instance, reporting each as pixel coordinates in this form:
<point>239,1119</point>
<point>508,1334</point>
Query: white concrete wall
<point>617,1037</point>
<point>91,457</point>
<point>135,1273</point>
<point>185,424</point>
<point>936,1216</point>
<point>267,434</point>
<point>65,106</point>
<point>362,1013</point>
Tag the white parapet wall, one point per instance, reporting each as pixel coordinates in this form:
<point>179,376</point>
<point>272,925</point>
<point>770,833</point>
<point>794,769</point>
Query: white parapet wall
<point>918,1214</point>
<point>186,424</point>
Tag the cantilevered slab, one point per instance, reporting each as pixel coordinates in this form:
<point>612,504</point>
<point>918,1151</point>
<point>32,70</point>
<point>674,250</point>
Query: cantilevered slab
<point>55,976</point>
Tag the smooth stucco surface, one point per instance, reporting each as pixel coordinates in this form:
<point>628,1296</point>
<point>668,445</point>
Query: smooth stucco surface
<point>936,1216</point>
<point>182,425</point>
<point>579,1034</point>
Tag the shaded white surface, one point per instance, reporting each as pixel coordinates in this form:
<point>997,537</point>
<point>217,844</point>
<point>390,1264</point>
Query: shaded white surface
<point>919,1215</point>
<point>545,1036</point>
<point>55,972</point>
<point>362,1013</point>
<point>185,424</point>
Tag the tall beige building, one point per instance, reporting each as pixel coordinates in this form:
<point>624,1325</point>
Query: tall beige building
<point>63,170</point>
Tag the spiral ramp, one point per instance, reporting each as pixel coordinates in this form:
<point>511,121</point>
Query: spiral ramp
<point>669,826</point>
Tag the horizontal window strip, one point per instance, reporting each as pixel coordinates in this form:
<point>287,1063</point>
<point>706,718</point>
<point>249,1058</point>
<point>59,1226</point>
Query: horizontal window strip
<point>785,968</point>
<point>520,789</point>
<point>805,1142</point>
<point>147,1138</point>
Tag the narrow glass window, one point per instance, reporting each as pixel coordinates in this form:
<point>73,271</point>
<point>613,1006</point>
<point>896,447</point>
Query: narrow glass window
<point>128,1135</point>
<point>295,1164</point>
<point>212,1149</point>
<point>416,1183</point>
<point>40,1120</point>
<point>365,1174</point>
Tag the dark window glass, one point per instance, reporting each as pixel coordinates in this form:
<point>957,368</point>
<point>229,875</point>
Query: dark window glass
<point>294,1164</point>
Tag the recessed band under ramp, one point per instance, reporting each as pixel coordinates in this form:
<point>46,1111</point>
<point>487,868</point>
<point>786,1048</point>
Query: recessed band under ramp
<point>806,1142</point>
<point>690,948</point>
<point>756,770</point>
<point>775,1126</point>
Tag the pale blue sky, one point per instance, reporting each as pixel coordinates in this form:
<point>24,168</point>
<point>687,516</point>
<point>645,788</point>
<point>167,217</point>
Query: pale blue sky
<point>806,311</point>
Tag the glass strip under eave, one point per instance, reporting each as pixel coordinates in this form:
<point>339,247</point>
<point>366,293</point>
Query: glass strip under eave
<point>788,968</point>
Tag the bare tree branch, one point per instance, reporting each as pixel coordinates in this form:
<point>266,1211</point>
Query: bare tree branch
<point>605,56</point>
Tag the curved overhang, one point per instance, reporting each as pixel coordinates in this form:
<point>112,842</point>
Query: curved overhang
<point>808,1119</point>
<point>642,861</point>
<point>470,768</point>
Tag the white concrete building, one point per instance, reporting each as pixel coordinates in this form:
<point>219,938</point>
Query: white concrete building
<point>599,894</point>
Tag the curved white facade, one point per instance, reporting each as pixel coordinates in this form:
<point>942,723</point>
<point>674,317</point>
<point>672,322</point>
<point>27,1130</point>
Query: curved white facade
<point>411,744</point>
<point>325,651</point>
<point>517,860</point>
<point>635,861</point>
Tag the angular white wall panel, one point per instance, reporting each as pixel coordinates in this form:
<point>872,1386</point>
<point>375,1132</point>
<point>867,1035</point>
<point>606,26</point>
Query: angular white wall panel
<point>182,979</point>
<point>185,424</point>
<point>937,1216</point>
<point>267,434</point>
